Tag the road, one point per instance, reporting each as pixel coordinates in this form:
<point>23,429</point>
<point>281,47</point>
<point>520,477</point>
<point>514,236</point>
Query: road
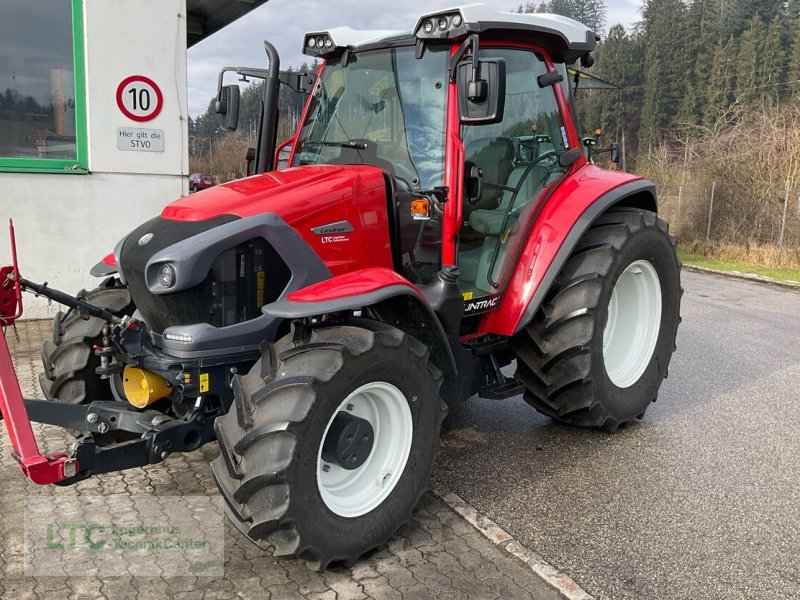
<point>698,500</point>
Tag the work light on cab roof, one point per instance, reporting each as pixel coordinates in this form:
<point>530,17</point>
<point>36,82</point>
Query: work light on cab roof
<point>324,44</point>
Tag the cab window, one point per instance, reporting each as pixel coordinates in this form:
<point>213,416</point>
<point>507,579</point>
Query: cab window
<point>519,160</point>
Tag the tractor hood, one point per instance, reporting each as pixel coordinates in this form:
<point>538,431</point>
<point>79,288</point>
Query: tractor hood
<point>294,194</point>
<point>221,263</point>
<point>340,211</point>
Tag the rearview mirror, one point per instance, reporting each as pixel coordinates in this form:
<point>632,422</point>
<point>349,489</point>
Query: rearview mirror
<point>481,91</point>
<point>227,105</point>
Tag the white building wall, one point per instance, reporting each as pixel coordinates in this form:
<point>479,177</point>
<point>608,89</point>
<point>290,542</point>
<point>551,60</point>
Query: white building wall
<point>66,223</point>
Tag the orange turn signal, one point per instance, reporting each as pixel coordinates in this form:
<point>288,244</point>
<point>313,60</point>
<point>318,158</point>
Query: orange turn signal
<point>421,209</point>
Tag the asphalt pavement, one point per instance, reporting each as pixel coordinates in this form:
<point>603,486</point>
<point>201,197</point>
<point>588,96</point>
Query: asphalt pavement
<point>700,499</point>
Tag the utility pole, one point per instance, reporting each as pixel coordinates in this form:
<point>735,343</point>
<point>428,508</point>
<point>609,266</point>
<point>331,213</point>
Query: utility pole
<point>624,164</point>
<point>711,208</point>
<point>785,208</point>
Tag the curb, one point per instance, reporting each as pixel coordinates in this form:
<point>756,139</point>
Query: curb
<point>561,582</point>
<point>792,285</point>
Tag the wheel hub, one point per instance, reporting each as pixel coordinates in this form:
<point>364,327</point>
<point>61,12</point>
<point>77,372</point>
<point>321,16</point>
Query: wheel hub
<point>349,441</point>
<point>378,418</point>
<point>634,318</point>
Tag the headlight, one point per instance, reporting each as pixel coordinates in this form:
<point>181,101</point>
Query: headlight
<point>166,275</point>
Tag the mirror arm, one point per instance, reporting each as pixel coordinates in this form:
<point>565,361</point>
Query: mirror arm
<point>471,42</point>
<point>296,81</point>
<point>474,58</point>
<point>252,72</point>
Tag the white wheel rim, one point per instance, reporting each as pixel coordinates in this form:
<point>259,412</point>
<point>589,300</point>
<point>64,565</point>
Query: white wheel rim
<point>634,319</point>
<point>352,493</point>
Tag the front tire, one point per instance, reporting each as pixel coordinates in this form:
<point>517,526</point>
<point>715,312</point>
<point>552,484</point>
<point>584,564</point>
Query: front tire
<point>277,484</point>
<point>598,349</point>
<point>69,360</point>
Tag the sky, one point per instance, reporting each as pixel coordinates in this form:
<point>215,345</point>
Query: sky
<point>283,22</point>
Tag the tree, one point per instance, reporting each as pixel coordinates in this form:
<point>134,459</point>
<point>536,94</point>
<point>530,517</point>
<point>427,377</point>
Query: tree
<point>615,110</point>
<point>748,63</point>
<point>722,82</point>
<point>591,13</point>
<point>773,64</point>
<point>666,64</point>
<point>794,66</point>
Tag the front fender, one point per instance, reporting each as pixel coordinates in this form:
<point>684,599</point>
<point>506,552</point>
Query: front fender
<point>372,287</point>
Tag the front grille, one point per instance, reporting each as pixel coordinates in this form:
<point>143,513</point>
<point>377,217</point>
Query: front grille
<point>241,280</point>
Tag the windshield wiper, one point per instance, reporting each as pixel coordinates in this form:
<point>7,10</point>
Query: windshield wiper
<point>350,144</point>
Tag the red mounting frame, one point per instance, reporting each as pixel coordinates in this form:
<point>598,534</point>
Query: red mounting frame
<point>39,468</point>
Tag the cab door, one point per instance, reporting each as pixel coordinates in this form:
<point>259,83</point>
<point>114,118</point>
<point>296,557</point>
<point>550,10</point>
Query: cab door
<point>518,158</point>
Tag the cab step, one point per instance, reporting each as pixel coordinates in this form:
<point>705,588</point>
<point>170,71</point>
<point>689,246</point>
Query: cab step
<point>500,390</point>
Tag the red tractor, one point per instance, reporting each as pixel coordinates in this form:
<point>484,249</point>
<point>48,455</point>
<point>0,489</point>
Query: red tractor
<point>317,321</point>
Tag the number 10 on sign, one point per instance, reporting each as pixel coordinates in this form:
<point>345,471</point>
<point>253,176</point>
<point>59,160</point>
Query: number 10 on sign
<point>139,98</point>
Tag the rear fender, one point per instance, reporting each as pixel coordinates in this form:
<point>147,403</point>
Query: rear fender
<point>389,296</point>
<point>557,229</point>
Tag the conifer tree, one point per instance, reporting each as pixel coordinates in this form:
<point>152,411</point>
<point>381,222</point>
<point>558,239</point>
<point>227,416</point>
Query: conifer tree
<point>748,63</point>
<point>666,59</point>
<point>591,13</point>
<point>722,82</point>
<point>794,65</point>
<point>773,64</point>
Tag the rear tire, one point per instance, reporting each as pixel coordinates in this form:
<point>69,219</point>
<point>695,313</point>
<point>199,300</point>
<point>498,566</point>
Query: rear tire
<point>270,469</point>
<point>69,360</point>
<point>582,367</point>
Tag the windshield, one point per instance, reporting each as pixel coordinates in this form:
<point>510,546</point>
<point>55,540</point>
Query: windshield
<point>386,108</point>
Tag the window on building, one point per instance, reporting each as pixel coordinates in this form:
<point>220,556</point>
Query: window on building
<point>42,105</point>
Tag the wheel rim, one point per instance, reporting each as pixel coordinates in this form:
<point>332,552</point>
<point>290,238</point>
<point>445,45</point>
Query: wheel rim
<point>352,493</point>
<point>634,319</point>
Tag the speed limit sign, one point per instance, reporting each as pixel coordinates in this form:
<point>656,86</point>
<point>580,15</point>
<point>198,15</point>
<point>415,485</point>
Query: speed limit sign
<point>139,98</point>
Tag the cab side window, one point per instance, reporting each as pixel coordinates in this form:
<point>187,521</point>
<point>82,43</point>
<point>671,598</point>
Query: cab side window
<point>519,159</point>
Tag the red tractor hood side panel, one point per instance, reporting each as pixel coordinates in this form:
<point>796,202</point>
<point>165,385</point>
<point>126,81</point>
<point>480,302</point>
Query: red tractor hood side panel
<point>307,197</point>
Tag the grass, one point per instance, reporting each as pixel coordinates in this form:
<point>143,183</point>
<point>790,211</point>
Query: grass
<point>698,260</point>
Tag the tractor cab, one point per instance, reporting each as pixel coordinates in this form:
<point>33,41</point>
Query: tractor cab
<point>469,118</point>
<point>386,100</point>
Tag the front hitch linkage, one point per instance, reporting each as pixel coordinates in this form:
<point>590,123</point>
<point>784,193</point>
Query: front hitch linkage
<point>159,435</point>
